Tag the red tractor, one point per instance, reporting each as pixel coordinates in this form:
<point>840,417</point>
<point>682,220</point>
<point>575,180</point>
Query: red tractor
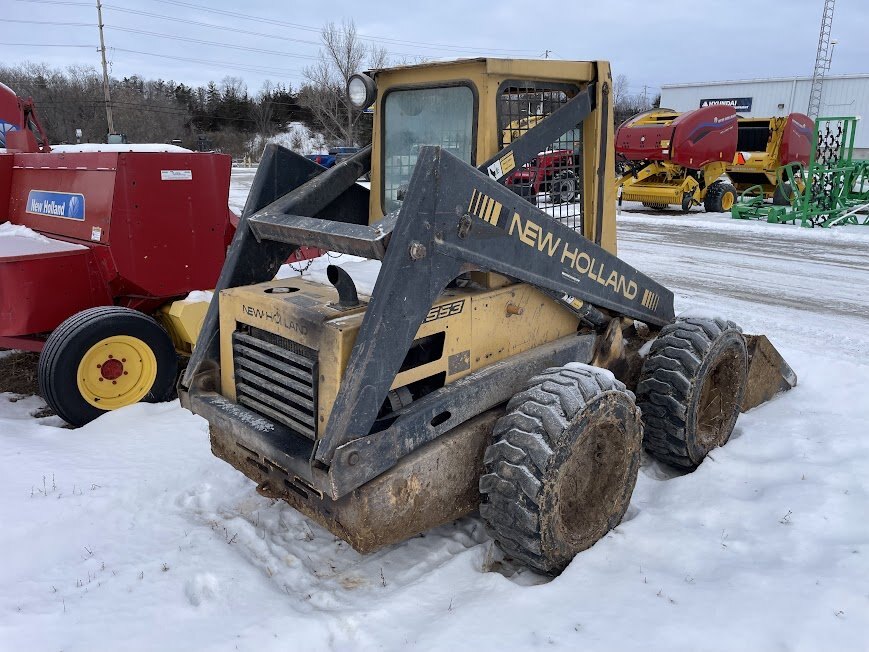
<point>99,246</point>
<point>552,172</point>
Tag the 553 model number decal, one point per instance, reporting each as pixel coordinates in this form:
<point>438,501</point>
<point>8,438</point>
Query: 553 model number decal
<point>446,310</point>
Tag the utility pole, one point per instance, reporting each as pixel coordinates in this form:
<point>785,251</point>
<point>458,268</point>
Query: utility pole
<point>645,97</point>
<point>106,91</point>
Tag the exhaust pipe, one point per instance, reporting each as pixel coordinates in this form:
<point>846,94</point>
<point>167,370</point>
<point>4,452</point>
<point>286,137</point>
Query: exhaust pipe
<point>347,297</point>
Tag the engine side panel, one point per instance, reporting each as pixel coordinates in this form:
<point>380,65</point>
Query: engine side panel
<point>466,330</point>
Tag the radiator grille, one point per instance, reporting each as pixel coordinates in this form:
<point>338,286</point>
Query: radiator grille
<point>276,377</point>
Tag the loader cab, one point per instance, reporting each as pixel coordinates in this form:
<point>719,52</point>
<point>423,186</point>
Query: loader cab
<point>473,108</point>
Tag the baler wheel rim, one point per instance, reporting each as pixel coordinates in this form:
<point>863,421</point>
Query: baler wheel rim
<point>71,342</point>
<point>109,390</point>
<point>727,201</point>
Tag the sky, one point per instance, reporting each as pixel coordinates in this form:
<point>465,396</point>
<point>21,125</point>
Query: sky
<point>196,41</point>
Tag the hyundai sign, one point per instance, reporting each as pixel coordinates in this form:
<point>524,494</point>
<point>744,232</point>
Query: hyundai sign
<point>738,103</point>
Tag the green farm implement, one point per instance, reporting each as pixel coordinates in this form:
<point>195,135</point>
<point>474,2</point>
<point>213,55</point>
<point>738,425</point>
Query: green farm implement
<point>832,190</point>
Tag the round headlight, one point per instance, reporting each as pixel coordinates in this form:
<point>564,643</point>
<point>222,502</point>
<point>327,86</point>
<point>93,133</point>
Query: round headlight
<point>361,91</point>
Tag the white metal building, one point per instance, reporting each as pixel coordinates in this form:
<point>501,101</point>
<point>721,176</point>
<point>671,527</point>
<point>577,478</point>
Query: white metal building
<point>844,95</point>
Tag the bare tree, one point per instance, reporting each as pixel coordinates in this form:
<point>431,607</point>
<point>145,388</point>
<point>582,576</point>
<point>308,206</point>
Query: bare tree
<point>342,55</point>
<point>378,57</point>
<point>620,89</point>
<point>263,109</point>
<point>233,86</point>
<point>625,103</point>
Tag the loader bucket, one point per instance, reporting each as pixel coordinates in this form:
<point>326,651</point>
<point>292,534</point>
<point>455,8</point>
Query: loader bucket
<point>768,373</point>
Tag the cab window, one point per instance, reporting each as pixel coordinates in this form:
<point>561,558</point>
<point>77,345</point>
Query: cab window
<point>422,116</point>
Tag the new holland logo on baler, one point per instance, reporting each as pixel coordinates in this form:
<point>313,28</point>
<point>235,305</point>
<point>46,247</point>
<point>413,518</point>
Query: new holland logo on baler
<point>70,206</point>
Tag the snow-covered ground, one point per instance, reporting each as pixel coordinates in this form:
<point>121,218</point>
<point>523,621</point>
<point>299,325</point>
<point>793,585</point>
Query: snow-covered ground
<point>239,187</point>
<point>128,534</point>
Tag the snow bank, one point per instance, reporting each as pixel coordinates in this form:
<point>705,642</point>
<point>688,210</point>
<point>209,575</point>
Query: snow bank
<point>698,218</point>
<point>200,295</point>
<point>297,137</point>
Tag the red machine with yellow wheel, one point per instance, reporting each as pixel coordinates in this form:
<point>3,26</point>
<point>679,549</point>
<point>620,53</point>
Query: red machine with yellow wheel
<point>706,156</point>
<point>99,246</point>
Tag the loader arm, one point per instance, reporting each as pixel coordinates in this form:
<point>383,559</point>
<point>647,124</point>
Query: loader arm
<point>456,219</point>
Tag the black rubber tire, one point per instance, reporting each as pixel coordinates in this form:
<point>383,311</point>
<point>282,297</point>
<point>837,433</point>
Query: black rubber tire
<point>711,197</point>
<point>687,202</point>
<point>783,195</point>
<point>690,364</point>
<point>562,466</point>
<point>563,188</point>
<point>714,201</point>
<point>59,360</point>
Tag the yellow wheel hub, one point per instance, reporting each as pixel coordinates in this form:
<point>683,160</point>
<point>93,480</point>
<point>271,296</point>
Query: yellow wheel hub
<point>117,371</point>
<point>727,201</point>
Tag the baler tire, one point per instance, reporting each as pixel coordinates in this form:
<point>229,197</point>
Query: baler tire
<point>562,466</point>
<point>687,202</point>
<point>720,198</point>
<point>695,367</point>
<point>74,340</point>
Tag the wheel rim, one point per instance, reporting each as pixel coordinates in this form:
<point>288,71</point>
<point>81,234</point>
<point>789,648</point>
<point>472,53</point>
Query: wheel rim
<point>562,190</point>
<point>116,371</point>
<point>589,483</point>
<point>718,401</point>
<point>727,201</point>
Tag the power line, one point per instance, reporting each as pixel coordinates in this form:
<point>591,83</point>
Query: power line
<point>233,29</point>
<point>47,22</point>
<point>318,30</point>
<point>182,38</point>
<point>187,21</point>
<point>48,45</point>
<point>215,43</point>
<point>162,35</point>
<point>307,28</point>
<point>58,2</point>
<point>225,64</point>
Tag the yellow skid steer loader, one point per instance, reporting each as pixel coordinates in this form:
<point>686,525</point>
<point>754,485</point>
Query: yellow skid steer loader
<point>497,363</point>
